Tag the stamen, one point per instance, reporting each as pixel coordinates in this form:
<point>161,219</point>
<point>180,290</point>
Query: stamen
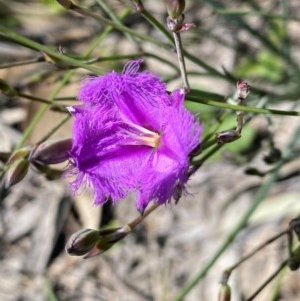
<point>138,135</point>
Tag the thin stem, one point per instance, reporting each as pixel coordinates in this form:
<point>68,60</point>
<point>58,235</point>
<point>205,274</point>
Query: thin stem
<point>10,35</point>
<point>117,26</point>
<point>43,109</point>
<point>260,195</point>
<point>218,104</point>
<point>48,135</point>
<point>179,50</point>
<point>22,63</point>
<point>156,24</point>
<point>52,103</point>
<point>268,280</point>
<point>140,218</point>
<point>114,18</point>
<point>228,271</point>
<point>56,90</point>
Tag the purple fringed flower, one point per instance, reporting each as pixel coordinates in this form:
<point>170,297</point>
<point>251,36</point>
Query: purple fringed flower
<point>131,136</point>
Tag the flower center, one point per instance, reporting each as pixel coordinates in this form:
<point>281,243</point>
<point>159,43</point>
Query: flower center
<point>138,135</point>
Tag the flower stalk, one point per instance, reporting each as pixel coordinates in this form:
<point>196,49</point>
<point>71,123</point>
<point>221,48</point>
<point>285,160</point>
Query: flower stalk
<point>90,242</point>
<point>174,26</point>
<point>228,136</point>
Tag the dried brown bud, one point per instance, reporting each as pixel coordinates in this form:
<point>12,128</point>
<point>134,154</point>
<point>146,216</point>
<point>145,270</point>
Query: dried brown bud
<point>175,8</point>
<point>16,172</point>
<point>52,152</point>
<point>224,293</point>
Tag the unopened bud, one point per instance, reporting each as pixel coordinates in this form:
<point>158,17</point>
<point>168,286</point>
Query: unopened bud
<point>175,8</point>
<point>52,152</point>
<point>82,242</point>
<point>90,242</point>
<point>21,153</point>
<point>224,293</point>
<point>227,136</point>
<point>16,172</point>
<point>243,89</point>
<point>107,239</point>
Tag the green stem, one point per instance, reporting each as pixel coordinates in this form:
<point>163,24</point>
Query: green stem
<point>10,35</point>
<point>56,90</point>
<point>114,18</point>
<point>22,63</point>
<point>179,50</point>
<point>117,26</point>
<point>48,135</point>
<point>52,103</point>
<point>260,195</point>
<point>241,108</point>
<point>43,109</point>
<point>188,55</point>
<point>157,25</point>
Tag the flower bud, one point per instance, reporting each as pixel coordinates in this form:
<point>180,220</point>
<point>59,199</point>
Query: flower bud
<point>175,8</point>
<point>52,152</point>
<point>90,242</point>
<point>227,136</point>
<point>16,172</point>
<point>19,154</point>
<point>107,239</point>
<point>243,89</point>
<point>224,293</point>
<point>82,242</point>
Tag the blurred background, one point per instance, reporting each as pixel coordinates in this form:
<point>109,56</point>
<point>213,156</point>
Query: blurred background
<point>254,40</point>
